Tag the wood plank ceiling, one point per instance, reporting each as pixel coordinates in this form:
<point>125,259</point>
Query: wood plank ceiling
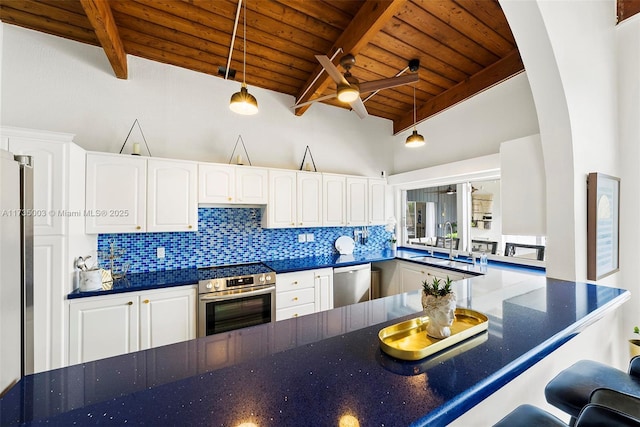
<point>464,46</point>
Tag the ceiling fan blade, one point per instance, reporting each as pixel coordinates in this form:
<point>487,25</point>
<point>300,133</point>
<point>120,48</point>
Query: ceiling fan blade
<point>359,108</point>
<point>388,83</point>
<point>321,98</point>
<point>331,69</point>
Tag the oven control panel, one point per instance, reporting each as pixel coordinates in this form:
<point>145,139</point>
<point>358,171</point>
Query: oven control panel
<point>239,282</point>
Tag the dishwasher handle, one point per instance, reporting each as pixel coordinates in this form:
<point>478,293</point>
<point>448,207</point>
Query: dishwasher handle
<point>352,268</point>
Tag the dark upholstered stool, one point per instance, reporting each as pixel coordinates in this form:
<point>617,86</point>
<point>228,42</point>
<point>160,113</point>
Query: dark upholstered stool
<point>592,415</point>
<point>571,389</point>
<point>529,415</point>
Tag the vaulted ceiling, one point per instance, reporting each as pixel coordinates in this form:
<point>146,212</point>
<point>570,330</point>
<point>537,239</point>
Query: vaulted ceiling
<point>464,46</point>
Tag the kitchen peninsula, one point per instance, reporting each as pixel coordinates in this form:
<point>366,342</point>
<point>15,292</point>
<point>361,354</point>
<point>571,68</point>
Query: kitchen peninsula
<point>323,368</point>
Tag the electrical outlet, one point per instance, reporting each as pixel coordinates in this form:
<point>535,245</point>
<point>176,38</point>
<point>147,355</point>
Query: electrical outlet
<point>310,237</point>
<point>302,238</point>
<point>160,252</point>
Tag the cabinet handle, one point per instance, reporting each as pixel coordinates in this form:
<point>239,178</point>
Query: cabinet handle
<point>293,223</point>
<point>191,226</point>
<point>138,227</point>
<point>146,301</point>
<point>295,315</point>
<point>229,198</point>
<point>295,298</point>
<point>295,283</point>
<point>130,303</point>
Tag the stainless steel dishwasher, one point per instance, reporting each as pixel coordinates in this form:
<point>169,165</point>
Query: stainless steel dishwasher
<point>351,284</point>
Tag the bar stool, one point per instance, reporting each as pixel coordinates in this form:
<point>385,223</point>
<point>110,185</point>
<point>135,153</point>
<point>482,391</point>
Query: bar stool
<point>571,389</point>
<point>623,412</point>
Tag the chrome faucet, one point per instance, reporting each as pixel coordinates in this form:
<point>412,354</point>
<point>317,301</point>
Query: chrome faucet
<point>450,239</point>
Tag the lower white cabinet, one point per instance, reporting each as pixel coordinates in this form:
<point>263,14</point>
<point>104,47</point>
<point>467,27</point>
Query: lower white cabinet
<point>412,275</point>
<point>303,292</point>
<point>105,326</point>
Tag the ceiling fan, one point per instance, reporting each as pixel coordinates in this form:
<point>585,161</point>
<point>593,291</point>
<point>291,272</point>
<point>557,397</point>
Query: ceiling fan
<point>349,88</point>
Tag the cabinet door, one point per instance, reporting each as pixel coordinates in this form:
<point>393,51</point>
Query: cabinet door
<point>102,327</point>
<point>216,183</point>
<point>377,193</point>
<point>167,317</point>
<point>411,277</point>
<point>323,280</point>
<point>48,182</point>
<point>309,199</point>
<point>115,194</point>
<point>251,185</point>
<point>48,295</point>
<point>334,211</point>
<point>357,201</point>
<point>171,196</point>
<point>281,209</point>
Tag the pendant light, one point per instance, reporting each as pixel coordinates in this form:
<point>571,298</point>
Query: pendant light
<point>415,139</point>
<point>243,102</point>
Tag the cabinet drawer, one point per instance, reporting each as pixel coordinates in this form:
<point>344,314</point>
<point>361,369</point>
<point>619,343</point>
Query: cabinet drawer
<point>292,281</point>
<point>295,297</point>
<point>299,310</point>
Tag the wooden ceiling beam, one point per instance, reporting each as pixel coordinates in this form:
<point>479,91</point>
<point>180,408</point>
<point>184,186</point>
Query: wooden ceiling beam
<point>101,18</point>
<point>501,70</point>
<point>370,19</point>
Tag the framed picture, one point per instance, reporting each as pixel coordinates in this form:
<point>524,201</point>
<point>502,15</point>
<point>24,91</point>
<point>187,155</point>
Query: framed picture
<point>603,225</point>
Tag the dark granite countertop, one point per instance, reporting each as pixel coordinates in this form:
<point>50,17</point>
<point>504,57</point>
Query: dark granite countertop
<point>321,368</point>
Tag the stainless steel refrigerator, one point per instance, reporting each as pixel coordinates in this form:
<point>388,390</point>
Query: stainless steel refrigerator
<point>16,269</point>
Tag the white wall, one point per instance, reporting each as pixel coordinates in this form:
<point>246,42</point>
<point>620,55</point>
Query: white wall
<point>628,60</point>
<point>60,85</point>
<point>473,128</point>
<point>572,71</point>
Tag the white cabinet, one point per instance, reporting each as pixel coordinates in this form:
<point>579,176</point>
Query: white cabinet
<point>171,195</point>
<point>357,201</point>
<point>282,208</point>
<point>109,325</point>
<point>303,292</point>
<point>251,185</point>
<point>102,327</point>
<point>167,316</point>
<point>334,197</point>
<point>231,184</point>
<point>377,201</point>
<point>412,275</point>
<point>309,199</point>
<point>48,159</point>
<point>323,284</point>
<point>130,194</point>
<point>116,191</point>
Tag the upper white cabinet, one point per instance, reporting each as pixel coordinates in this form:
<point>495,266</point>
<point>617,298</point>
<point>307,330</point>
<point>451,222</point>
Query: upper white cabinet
<point>309,199</point>
<point>334,197</point>
<point>217,183</point>
<point>377,201</point>
<point>116,191</point>
<point>231,184</point>
<point>130,194</point>
<point>281,209</point>
<point>357,201</point>
<point>171,195</point>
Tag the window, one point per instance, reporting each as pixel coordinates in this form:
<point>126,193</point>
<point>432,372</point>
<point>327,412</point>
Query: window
<point>474,211</point>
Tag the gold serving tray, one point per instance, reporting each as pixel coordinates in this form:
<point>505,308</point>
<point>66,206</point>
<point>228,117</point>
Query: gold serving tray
<point>408,340</point>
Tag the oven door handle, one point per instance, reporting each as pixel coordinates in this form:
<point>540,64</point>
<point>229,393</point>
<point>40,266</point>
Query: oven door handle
<point>238,295</point>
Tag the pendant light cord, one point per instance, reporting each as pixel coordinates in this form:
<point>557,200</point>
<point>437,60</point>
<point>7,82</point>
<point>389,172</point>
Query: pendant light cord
<point>414,108</point>
<point>244,50</point>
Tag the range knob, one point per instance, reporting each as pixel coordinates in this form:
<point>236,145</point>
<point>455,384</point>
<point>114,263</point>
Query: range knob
<point>216,285</point>
<point>262,278</point>
<point>209,285</point>
<point>268,277</point>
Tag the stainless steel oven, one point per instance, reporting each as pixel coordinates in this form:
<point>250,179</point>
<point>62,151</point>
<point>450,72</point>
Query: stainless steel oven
<point>235,296</point>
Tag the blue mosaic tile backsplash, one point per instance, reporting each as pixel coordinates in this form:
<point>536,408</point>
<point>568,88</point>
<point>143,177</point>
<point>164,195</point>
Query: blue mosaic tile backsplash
<point>230,236</point>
